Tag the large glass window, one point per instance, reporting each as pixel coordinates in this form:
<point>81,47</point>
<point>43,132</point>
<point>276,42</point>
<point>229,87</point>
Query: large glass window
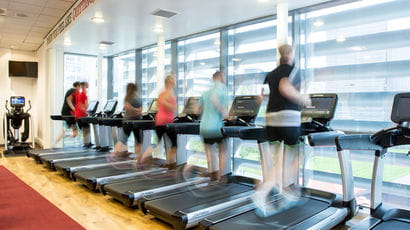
<point>123,73</point>
<point>79,68</point>
<point>149,72</point>
<point>198,59</point>
<point>363,58</point>
<point>251,55</point>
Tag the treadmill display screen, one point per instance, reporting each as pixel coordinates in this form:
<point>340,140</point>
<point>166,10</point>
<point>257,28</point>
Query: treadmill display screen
<point>321,108</point>
<point>244,106</point>
<point>17,101</point>
<point>110,106</point>
<point>92,106</point>
<point>403,109</point>
<point>153,107</point>
<point>191,106</point>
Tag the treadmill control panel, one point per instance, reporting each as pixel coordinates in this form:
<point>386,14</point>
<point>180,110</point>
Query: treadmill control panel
<point>401,108</point>
<point>323,107</point>
<point>110,106</point>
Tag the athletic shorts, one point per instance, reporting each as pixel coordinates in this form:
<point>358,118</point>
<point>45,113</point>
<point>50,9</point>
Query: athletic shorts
<point>69,120</point>
<point>290,135</point>
<point>82,125</point>
<point>160,130</point>
<point>125,132</point>
<point>212,141</point>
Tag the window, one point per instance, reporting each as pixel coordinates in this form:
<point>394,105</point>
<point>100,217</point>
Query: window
<point>79,68</point>
<point>251,55</point>
<point>123,73</point>
<point>149,73</point>
<point>198,59</point>
<point>363,58</point>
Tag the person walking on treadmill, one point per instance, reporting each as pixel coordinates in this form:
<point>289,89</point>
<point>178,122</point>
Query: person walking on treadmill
<point>133,111</point>
<point>68,109</point>
<point>81,104</point>
<point>167,105</point>
<point>213,104</point>
<point>283,120</point>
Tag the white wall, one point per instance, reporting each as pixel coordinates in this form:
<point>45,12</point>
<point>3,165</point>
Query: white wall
<point>17,86</point>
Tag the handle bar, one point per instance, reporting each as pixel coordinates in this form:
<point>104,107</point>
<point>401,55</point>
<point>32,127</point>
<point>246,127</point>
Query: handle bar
<point>7,101</point>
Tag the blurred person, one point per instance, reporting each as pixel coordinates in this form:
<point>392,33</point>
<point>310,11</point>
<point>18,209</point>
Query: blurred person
<point>68,109</point>
<point>283,121</point>
<point>213,104</point>
<point>167,105</point>
<point>81,104</point>
<point>133,111</point>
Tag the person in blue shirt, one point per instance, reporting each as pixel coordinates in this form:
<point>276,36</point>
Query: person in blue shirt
<point>214,110</point>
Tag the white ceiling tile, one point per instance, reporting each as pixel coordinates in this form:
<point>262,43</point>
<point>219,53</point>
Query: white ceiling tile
<point>4,4</point>
<point>49,24</point>
<point>45,18</point>
<point>58,4</point>
<point>17,26</point>
<point>32,2</point>
<point>36,34</point>
<point>25,7</point>
<point>33,40</point>
<point>13,14</point>
<point>53,12</point>
<point>40,29</point>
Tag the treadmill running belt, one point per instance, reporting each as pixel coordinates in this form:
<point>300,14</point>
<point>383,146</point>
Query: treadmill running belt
<point>393,224</point>
<point>283,220</point>
<point>186,200</point>
<point>69,164</point>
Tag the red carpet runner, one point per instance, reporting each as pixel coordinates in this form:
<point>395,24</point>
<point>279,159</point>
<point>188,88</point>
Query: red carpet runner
<point>21,207</point>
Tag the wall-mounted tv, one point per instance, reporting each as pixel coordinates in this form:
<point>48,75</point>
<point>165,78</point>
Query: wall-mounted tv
<point>23,69</point>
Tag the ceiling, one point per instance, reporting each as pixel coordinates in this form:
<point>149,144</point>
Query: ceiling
<point>129,23</point>
<point>24,23</point>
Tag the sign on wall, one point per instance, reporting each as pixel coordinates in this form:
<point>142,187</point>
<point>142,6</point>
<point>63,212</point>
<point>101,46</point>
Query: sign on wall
<point>72,15</point>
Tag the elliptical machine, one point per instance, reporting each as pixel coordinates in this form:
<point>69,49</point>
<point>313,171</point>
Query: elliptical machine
<point>13,120</point>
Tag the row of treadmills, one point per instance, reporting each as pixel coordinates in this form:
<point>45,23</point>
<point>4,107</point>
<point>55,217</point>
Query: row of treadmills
<point>185,197</point>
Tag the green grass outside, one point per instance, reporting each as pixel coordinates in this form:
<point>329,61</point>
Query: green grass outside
<point>360,168</point>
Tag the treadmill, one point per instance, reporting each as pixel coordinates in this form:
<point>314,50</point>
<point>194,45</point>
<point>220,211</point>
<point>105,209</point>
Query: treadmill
<point>129,191</point>
<point>101,137</point>
<point>316,209</point>
<point>93,179</point>
<point>69,167</point>
<point>381,215</point>
<point>35,154</point>
<point>186,209</point>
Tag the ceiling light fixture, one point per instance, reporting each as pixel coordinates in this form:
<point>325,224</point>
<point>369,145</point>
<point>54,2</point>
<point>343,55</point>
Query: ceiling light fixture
<point>97,19</point>
<point>357,48</point>
<point>158,29</point>
<point>236,59</point>
<point>318,23</point>
<point>340,39</point>
<point>21,15</point>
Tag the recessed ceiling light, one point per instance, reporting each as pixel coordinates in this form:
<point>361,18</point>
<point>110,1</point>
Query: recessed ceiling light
<point>236,59</point>
<point>22,15</point>
<point>340,39</point>
<point>97,19</point>
<point>318,23</point>
<point>102,47</point>
<point>357,48</point>
<point>202,63</point>
<point>158,28</point>
<point>67,43</point>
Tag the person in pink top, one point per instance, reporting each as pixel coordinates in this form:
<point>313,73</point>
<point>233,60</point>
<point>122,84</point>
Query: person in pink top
<point>167,105</point>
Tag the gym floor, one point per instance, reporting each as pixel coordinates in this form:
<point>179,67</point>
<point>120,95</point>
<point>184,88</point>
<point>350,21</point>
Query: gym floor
<point>91,210</point>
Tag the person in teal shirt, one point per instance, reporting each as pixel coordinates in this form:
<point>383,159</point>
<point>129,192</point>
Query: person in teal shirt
<point>214,110</point>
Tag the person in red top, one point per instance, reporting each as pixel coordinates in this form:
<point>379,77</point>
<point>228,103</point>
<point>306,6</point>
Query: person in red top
<point>81,111</point>
<point>167,105</point>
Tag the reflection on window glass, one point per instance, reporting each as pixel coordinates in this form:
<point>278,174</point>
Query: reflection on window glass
<point>79,68</point>
<point>364,59</point>
<point>123,73</point>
